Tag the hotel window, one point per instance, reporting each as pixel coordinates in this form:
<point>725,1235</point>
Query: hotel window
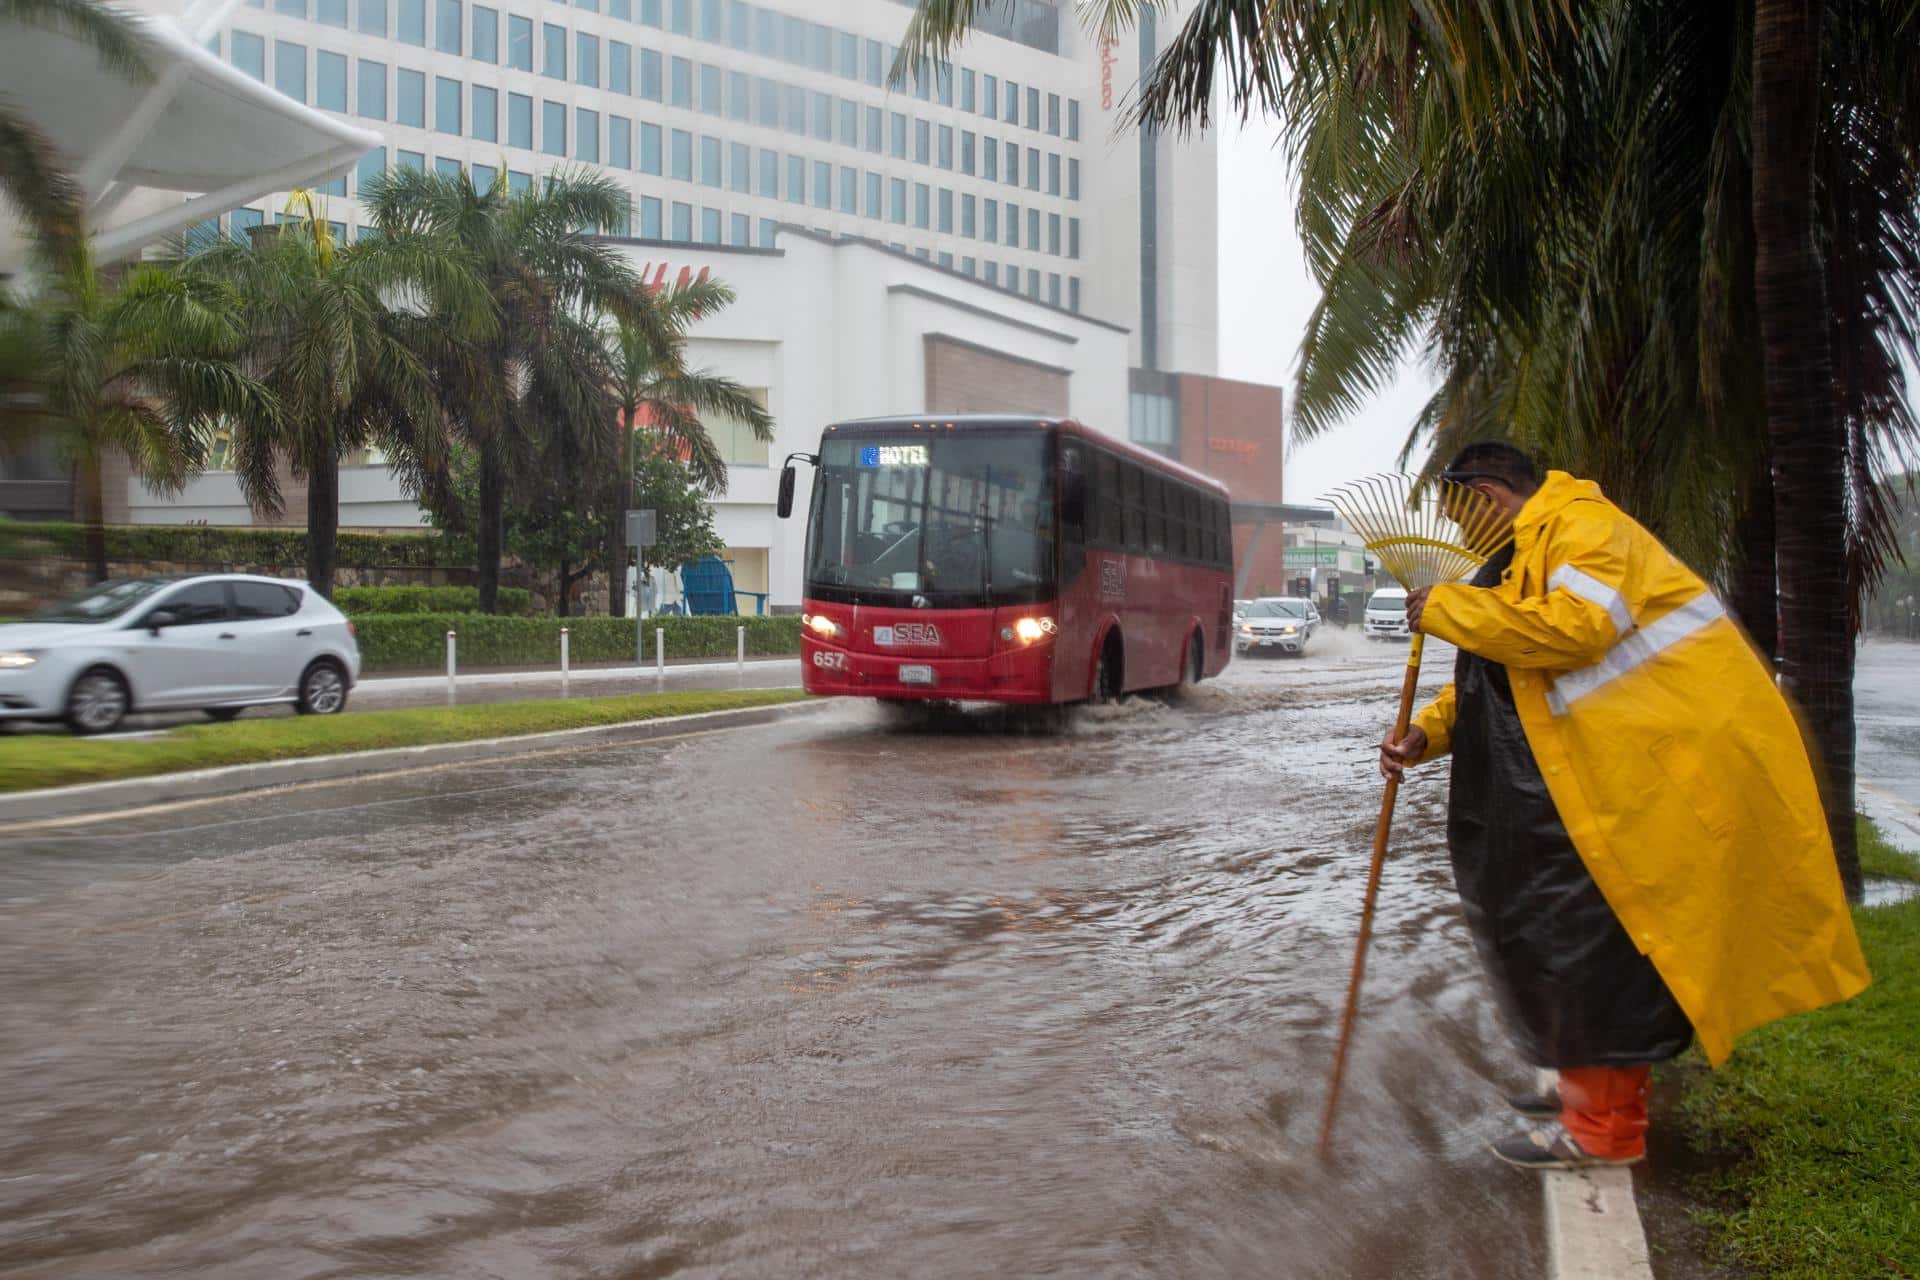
<point>797,179</point>
<point>553,128</point>
<point>820,47</point>
<point>897,201</point>
<point>876,64</point>
<point>741,231</point>
<point>1053,288</point>
<point>710,153</point>
<point>682,92</point>
<point>446,167</point>
<point>872,181</point>
<point>1033,169</point>
<point>518,182</point>
<point>710,25</point>
<point>520,121</point>
<point>330,81</point>
<point>1053,114</point>
<point>943,83</point>
<point>1073,124</point>
<point>331,13</point>
<point>553,51</point>
<point>966,152</point>
<point>371,166</point>
<point>822,185</point>
<point>586,135</point>
<point>410,107</point>
<point>586,59</point>
<point>969,267</point>
<point>519,42</point>
<point>446,26</point>
<point>848,63</point>
<point>990,160</point>
<point>740,25</point>
<point>768,230</point>
<point>373,17</point>
<point>966,89</point>
<point>992,271</point>
<point>945,224</point>
<point>968,226</point>
<point>922,204</point>
<point>990,97</point>
<point>682,221</point>
<point>682,155</point>
<point>710,91</point>
<point>739,96</point>
<point>922,142</point>
<point>650,148</point>
<point>591,6</point>
<point>1053,234</point>
<point>410,160</point>
<point>874,141</point>
<point>766,40</point>
<point>649,218</point>
<point>946,146</point>
<point>1073,178</point>
<point>740,168</point>
<point>1073,237</point>
<point>1033,230</point>
<point>766,103</point>
<point>923,81</point>
<point>620,142</point>
<point>770,175</point>
<point>990,221</point>
<point>1033,284</point>
<point>1013,226</point>
<point>946,260</point>
<point>650,87</point>
<point>896,135</point>
<point>709,226</point>
<point>290,69</point>
<point>649,13</point>
<point>486,34</point>
<point>446,106</point>
<point>849,122</point>
<point>1073,293</point>
<point>849,190</point>
<point>1013,164</point>
<point>680,22</point>
<point>413,22</point>
<point>823,117</point>
<point>1053,174</point>
<point>794,46</point>
<point>619,66</point>
<point>621,9</point>
<point>735,440</point>
<point>795,116</point>
<point>1013,103</point>
<point>1033,109</point>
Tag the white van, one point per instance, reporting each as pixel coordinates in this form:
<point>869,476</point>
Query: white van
<point>1386,616</point>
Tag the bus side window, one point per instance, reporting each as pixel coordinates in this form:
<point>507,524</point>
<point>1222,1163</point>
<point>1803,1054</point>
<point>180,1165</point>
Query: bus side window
<point>1223,533</point>
<point>1075,483</point>
<point>1192,532</point>
<point>1135,536</point>
<point>1107,501</point>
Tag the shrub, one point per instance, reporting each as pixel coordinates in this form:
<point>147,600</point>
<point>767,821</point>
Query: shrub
<point>215,545</point>
<point>357,602</point>
<point>418,641</point>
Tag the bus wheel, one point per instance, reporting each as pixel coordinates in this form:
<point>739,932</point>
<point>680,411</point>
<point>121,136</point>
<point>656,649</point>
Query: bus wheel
<point>1106,674</point>
<point>1196,662</point>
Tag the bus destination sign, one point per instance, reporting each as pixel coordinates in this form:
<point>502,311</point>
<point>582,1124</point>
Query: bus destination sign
<point>893,455</point>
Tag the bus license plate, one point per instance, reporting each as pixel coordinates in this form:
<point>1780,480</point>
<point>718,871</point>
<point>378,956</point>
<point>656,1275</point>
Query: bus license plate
<point>915,674</point>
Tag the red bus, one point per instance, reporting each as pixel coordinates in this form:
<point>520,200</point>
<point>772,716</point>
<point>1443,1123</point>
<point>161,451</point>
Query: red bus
<point>1008,559</point>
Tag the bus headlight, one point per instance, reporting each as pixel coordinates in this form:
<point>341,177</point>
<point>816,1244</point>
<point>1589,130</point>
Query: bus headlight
<point>821,625</point>
<point>1028,630</point>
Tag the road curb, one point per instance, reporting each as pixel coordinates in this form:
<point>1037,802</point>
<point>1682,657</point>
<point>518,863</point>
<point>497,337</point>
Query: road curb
<point>1593,1221</point>
<point>101,799</point>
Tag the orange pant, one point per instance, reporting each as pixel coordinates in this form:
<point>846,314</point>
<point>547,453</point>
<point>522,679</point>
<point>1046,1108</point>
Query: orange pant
<point>1605,1109</point>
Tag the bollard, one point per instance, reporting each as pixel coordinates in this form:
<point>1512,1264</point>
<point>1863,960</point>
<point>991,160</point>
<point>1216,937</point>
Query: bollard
<point>450,663</point>
<point>740,649</point>
<point>659,653</point>
<point>563,653</point>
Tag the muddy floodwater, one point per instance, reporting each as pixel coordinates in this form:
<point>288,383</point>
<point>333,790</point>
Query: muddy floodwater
<point>835,998</point>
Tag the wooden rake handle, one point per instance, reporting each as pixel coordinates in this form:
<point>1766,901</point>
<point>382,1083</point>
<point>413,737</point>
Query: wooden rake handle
<point>1380,834</point>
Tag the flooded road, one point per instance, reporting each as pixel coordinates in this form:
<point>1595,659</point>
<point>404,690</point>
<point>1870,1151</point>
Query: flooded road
<point>832,998</point>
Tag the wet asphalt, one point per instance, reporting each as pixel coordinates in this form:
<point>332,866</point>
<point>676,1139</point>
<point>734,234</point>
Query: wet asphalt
<point>843,996</point>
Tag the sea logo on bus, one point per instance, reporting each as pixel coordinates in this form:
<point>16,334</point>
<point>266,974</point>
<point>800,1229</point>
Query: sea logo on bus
<point>907,633</point>
<point>893,455</point>
<point>1113,580</point>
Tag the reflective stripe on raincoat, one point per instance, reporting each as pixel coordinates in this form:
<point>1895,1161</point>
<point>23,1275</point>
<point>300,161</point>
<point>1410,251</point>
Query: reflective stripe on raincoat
<point>1673,760</point>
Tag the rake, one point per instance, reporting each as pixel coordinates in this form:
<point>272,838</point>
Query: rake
<point>1423,532</point>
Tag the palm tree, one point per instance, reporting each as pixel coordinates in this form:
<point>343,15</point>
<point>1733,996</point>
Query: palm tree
<point>343,337</point>
<point>551,284</point>
<point>31,179</point>
<point>137,366</point>
<point>661,404</point>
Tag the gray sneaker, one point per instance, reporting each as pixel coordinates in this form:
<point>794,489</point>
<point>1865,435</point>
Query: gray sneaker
<point>1550,1147</point>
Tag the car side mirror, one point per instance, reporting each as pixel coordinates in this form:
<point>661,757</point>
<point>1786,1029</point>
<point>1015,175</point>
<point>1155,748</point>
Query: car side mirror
<point>786,491</point>
<point>162,618</point>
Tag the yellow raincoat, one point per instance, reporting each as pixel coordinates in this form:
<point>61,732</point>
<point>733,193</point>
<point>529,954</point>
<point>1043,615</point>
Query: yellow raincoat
<point>1672,758</point>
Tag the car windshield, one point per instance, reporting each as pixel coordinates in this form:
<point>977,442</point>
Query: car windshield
<point>1276,609</point>
<point>956,519</point>
<point>103,603</point>
<point>1388,604</point>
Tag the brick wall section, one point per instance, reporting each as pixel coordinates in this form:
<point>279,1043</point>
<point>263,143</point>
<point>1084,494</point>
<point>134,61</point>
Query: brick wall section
<point>965,378</point>
<point>1234,432</point>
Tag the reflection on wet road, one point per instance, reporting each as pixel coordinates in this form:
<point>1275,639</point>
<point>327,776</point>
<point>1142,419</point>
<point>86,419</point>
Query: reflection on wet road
<point>832,998</point>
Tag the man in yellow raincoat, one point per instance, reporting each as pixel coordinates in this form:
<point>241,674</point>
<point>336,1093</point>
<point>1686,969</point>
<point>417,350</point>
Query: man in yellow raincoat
<point>1634,825</point>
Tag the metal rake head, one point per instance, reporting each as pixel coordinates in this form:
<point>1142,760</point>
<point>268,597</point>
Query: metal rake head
<point>1423,532</point>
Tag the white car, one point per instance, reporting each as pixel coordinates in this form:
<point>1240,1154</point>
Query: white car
<point>213,642</point>
<point>1386,615</point>
<point>1277,625</point>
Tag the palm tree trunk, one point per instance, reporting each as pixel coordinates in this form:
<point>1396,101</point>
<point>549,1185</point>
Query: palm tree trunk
<point>617,562</point>
<point>566,589</point>
<point>93,510</point>
<point>1756,594</point>
<point>323,520</point>
<point>492,516</point>
<point>1803,425</point>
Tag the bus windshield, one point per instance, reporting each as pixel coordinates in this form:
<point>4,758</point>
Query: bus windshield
<point>956,519</point>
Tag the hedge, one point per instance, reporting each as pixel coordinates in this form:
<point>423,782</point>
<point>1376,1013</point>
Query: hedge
<point>418,641</point>
<point>356,602</point>
<point>217,545</point>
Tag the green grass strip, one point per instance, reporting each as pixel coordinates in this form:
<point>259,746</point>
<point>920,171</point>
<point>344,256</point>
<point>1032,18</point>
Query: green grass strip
<point>39,760</point>
<point>1820,1115</point>
<point>1879,857</point>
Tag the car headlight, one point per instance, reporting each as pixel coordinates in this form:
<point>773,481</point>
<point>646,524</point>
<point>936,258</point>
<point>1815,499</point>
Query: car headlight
<point>1246,630</point>
<point>17,659</point>
<point>1287,631</point>
<point>821,625</point>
